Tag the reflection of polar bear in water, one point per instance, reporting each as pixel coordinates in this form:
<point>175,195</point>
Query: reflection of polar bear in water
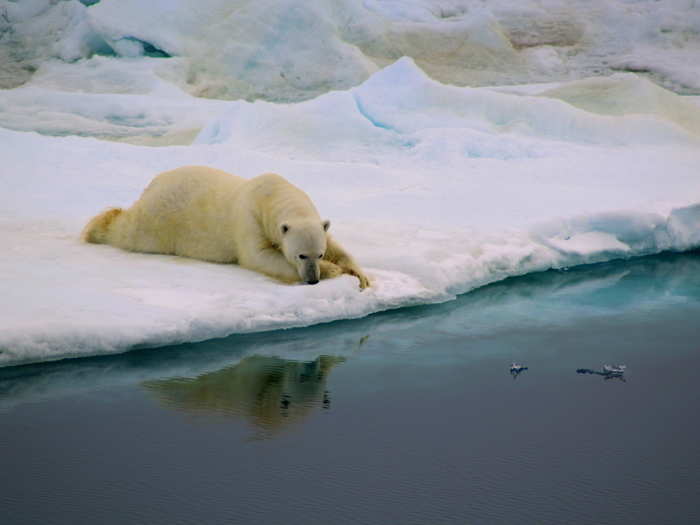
<point>264,224</point>
<point>270,391</point>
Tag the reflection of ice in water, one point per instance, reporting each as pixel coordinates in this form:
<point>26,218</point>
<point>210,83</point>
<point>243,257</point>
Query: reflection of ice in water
<point>268,391</point>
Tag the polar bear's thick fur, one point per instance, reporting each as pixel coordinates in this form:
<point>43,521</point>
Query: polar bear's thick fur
<point>264,224</point>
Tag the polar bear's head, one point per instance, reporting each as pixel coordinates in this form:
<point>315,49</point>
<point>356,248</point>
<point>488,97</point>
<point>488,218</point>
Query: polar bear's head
<point>304,245</point>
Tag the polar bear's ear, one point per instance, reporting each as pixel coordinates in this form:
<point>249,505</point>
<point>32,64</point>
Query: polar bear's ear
<point>284,228</point>
<point>326,225</point>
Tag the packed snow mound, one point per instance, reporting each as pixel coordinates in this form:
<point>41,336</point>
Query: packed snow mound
<point>33,31</point>
<point>628,94</point>
<point>403,114</point>
<point>109,98</point>
<point>397,108</point>
<point>278,50</point>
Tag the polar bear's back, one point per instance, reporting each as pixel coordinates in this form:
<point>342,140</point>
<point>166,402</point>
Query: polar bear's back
<point>176,189</point>
<point>183,212</point>
<point>278,200</point>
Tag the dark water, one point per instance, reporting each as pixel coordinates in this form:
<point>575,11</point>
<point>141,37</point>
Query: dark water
<point>407,417</point>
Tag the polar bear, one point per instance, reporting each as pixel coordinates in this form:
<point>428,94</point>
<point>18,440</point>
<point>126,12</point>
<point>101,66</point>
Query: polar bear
<point>264,224</point>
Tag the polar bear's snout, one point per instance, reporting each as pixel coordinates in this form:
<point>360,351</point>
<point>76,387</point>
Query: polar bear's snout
<point>310,272</point>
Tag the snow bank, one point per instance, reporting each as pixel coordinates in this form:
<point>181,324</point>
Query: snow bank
<point>402,114</point>
<point>398,108</point>
<point>290,50</point>
<point>270,49</point>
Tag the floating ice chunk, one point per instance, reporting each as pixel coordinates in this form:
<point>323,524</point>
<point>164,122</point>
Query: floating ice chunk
<point>516,369</point>
<point>614,369</point>
<point>608,372</point>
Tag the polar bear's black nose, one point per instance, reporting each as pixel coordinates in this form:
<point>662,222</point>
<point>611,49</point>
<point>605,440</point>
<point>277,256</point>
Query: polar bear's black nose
<point>314,281</point>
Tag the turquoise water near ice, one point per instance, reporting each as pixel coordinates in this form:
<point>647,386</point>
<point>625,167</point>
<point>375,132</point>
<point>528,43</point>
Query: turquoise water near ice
<point>410,416</point>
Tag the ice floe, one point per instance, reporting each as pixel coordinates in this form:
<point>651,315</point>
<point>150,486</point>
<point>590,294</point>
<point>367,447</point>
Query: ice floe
<point>436,189</point>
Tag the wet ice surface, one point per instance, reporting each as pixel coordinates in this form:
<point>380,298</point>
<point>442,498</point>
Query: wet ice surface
<point>407,417</point>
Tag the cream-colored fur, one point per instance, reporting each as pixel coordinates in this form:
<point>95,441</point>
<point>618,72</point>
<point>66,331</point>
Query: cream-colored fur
<point>264,224</point>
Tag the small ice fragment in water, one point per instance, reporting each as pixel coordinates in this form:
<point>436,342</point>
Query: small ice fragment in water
<point>608,372</point>
<point>614,369</point>
<point>516,368</point>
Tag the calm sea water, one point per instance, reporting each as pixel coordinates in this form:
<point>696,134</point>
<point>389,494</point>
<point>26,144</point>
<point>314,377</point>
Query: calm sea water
<point>407,417</point>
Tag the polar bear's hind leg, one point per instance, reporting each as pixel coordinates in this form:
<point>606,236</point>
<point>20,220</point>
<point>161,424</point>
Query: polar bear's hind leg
<point>97,230</point>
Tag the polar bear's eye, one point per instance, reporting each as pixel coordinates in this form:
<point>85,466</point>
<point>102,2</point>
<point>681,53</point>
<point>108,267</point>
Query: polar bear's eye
<point>320,256</point>
<point>302,256</point>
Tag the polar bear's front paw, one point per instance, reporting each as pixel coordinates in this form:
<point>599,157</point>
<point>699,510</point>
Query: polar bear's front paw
<point>329,270</point>
<point>364,280</point>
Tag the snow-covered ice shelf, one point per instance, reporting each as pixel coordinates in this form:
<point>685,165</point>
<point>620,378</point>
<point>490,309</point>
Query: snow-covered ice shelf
<point>436,189</point>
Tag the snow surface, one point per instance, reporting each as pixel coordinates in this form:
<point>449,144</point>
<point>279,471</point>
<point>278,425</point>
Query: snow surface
<point>436,189</point>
